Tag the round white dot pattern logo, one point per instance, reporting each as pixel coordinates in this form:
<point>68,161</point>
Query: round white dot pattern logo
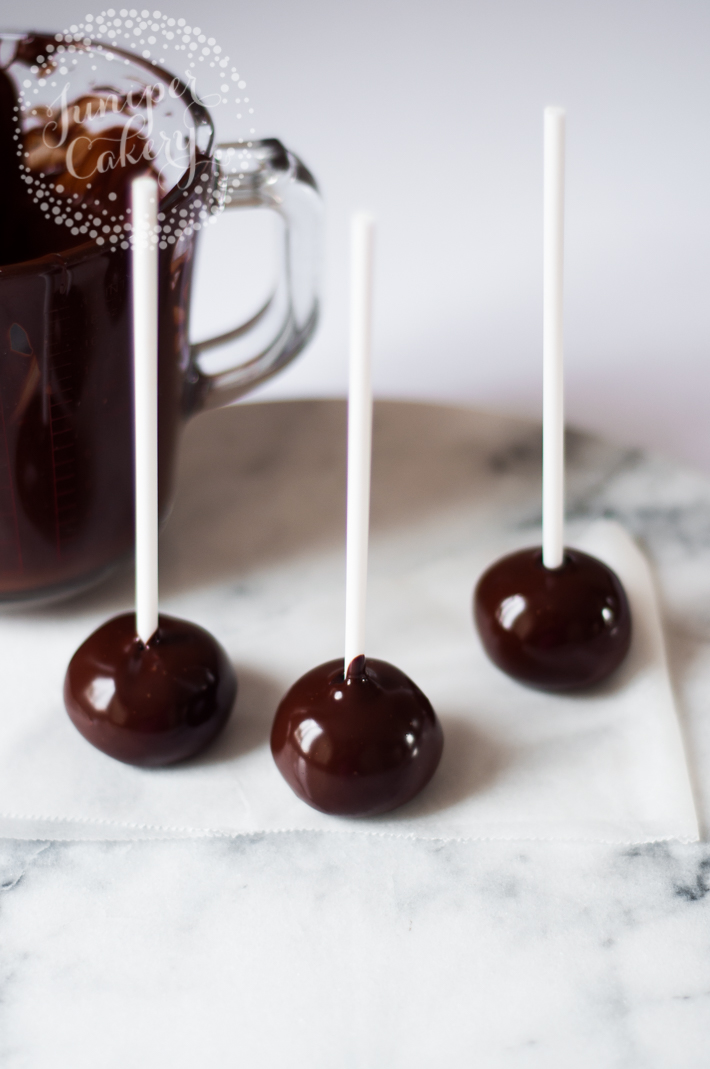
<point>97,105</point>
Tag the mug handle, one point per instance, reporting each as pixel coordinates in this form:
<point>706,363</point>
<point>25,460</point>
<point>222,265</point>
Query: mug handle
<point>264,174</point>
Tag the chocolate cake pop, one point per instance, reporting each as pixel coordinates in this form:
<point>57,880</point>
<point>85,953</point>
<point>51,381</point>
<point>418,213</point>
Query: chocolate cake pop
<point>148,689</point>
<point>356,745</point>
<point>552,617</point>
<point>362,741</point>
<point>149,703</point>
<point>553,628</point>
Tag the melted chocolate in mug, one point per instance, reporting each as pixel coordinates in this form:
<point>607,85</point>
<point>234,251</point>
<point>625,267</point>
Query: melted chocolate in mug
<point>66,451</point>
<point>553,628</point>
<point>356,746</point>
<point>151,704</point>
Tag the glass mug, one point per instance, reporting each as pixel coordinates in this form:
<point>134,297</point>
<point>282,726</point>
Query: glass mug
<point>66,450</point>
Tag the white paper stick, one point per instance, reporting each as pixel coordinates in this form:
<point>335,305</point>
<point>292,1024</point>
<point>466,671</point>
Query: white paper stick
<point>144,203</point>
<point>359,436</point>
<point>553,419</point>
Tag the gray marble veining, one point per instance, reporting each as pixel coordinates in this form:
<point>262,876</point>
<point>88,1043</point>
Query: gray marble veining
<point>318,950</point>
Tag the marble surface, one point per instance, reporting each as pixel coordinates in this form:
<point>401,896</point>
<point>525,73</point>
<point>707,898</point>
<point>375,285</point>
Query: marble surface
<point>314,950</point>
<point>318,949</point>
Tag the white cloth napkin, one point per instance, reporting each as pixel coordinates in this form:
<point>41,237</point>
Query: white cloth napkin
<point>607,765</point>
<point>254,553</point>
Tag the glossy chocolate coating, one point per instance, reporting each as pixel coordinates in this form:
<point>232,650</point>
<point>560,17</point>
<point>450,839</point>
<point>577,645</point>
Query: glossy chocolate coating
<point>553,628</point>
<point>357,746</point>
<point>150,705</point>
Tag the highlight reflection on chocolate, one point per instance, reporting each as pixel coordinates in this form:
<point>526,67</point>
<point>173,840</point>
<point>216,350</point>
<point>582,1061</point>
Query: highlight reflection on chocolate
<point>357,746</point>
<point>151,704</point>
<point>553,628</point>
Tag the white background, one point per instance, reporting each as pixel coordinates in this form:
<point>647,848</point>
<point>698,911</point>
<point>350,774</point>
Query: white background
<point>429,114</point>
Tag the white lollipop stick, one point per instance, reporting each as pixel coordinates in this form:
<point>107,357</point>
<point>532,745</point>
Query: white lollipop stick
<point>359,436</point>
<point>553,419</point>
<point>144,204</point>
